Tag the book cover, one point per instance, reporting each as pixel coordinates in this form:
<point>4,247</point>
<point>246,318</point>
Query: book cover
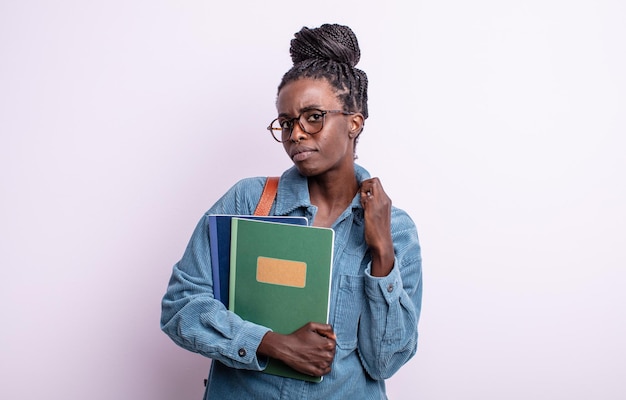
<point>280,278</point>
<point>219,237</point>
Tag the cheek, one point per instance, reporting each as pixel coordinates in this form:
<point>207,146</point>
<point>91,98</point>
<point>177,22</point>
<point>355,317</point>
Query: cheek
<point>338,145</point>
<point>339,135</point>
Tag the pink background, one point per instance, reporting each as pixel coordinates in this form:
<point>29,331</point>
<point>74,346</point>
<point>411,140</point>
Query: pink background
<point>499,126</point>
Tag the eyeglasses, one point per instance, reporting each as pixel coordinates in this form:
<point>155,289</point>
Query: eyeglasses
<point>311,121</point>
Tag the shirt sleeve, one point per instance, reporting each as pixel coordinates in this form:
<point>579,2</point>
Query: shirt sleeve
<point>388,327</point>
<point>196,321</point>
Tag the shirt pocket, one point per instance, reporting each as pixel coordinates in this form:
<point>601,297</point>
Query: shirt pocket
<point>348,310</point>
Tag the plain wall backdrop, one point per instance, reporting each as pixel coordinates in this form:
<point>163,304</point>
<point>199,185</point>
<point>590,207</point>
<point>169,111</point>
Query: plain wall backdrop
<point>499,126</point>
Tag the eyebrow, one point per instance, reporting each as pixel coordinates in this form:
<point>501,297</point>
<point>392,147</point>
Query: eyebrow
<point>303,109</point>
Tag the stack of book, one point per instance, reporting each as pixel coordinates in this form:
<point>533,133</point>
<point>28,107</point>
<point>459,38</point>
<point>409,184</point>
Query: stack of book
<point>273,271</point>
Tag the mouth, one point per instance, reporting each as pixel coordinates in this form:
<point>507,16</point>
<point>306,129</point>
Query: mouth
<point>301,153</point>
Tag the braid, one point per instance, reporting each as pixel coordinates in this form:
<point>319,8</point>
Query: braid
<point>334,42</point>
<point>330,52</point>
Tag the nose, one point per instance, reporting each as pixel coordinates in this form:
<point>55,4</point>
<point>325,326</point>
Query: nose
<point>297,133</point>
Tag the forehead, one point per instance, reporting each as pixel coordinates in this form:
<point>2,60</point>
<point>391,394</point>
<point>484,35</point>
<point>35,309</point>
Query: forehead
<point>306,92</point>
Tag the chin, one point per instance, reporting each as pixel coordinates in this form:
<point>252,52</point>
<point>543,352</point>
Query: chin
<point>307,171</point>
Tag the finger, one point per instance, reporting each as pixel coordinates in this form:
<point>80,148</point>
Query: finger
<point>367,192</point>
<point>369,187</point>
<point>326,331</point>
<point>327,334</point>
<point>320,326</point>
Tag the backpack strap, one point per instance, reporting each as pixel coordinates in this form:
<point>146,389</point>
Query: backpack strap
<point>267,197</point>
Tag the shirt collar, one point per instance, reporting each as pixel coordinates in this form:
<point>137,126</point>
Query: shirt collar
<point>293,186</point>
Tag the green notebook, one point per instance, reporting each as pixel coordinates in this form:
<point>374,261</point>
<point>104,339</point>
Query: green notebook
<point>280,278</point>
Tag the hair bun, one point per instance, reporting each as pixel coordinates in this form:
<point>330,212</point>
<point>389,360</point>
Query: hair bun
<point>328,42</point>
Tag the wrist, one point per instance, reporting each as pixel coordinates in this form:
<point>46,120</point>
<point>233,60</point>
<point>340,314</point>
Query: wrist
<point>267,347</point>
<point>382,263</point>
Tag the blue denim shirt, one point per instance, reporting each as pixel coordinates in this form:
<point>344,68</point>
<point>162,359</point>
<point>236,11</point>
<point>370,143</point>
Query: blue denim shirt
<point>375,319</point>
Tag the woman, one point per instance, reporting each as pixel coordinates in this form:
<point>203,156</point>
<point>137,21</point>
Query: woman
<point>376,284</point>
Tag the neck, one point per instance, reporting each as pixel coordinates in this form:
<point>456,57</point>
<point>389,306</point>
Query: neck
<point>331,195</point>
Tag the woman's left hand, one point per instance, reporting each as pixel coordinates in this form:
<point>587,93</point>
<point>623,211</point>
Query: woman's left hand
<point>377,212</point>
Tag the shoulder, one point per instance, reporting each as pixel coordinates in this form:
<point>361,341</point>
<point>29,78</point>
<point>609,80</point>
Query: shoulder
<point>241,198</point>
<point>402,225</point>
<point>401,220</point>
<point>247,187</point>
<point>249,184</point>
<point>404,234</point>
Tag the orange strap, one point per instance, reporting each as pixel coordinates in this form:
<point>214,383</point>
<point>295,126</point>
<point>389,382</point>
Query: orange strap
<point>267,197</point>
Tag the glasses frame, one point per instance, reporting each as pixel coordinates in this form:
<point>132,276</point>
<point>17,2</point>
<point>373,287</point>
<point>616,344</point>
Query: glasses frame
<point>291,122</point>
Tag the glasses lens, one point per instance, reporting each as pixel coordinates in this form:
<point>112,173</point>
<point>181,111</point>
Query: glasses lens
<point>280,131</point>
<point>312,121</point>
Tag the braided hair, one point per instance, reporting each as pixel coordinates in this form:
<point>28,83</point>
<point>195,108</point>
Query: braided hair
<point>330,52</point>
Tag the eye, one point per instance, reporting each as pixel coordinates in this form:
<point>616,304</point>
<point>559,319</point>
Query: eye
<point>285,123</point>
<point>315,116</point>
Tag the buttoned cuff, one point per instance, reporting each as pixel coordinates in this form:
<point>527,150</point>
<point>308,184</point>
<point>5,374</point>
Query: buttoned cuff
<point>244,346</point>
<point>385,288</point>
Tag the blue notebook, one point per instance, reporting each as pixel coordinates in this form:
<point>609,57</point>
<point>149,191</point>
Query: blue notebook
<point>219,238</point>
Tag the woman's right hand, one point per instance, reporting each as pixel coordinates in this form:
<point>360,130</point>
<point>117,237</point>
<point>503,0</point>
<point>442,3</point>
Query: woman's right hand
<point>309,350</point>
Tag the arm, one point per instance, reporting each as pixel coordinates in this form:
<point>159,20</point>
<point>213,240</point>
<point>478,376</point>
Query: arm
<point>387,336</point>
<point>196,321</point>
<point>190,314</point>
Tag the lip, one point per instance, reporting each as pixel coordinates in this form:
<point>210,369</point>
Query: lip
<point>300,153</point>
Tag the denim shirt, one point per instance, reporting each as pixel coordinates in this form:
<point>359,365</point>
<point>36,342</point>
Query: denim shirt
<point>374,318</point>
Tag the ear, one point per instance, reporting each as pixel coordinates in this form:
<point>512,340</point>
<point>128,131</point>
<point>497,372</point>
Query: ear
<point>356,125</point>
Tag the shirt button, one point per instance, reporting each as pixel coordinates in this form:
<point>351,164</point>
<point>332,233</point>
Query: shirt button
<point>390,288</point>
<point>242,352</point>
